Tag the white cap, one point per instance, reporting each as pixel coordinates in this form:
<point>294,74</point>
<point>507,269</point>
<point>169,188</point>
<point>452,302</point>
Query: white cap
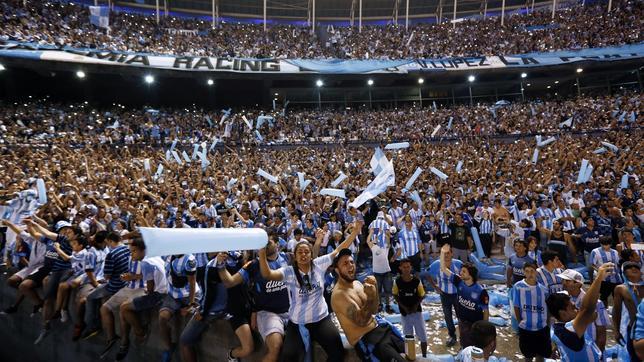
<point>392,230</point>
<point>572,275</point>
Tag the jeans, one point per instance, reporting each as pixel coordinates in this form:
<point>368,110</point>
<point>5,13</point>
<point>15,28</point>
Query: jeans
<point>448,301</point>
<point>324,332</point>
<point>385,284</point>
<point>93,303</point>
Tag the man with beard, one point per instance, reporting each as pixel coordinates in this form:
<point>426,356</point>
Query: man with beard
<point>355,304</point>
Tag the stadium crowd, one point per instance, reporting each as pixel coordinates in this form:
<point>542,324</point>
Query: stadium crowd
<point>44,122</point>
<point>82,244</point>
<point>577,27</point>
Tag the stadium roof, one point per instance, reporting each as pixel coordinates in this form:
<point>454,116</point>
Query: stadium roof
<point>336,10</point>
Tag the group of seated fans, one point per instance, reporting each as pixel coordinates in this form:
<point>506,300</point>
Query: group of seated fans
<point>45,122</point>
<point>79,258</point>
<point>576,27</point>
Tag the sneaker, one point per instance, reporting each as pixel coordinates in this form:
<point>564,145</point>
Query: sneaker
<point>123,349</point>
<point>11,310</point>
<point>110,344</point>
<point>37,309</point>
<point>389,309</point>
<point>231,358</point>
<point>90,333</point>
<point>451,341</point>
<point>43,333</point>
<point>78,330</point>
<point>64,316</point>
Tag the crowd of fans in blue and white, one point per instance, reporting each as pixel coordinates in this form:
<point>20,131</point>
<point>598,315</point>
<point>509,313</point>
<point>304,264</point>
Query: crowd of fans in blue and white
<point>77,258</point>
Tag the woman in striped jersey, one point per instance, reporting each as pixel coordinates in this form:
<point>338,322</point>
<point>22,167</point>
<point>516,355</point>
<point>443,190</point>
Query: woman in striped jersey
<point>308,312</point>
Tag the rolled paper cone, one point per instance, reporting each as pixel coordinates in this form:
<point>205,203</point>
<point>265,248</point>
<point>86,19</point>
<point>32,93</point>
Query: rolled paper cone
<point>194,151</point>
<point>146,164</point>
<point>171,241</point>
<point>459,166</point>
<point>339,179</point>
<point>546,142</point>
<point>168,155</point>
<point>624,183</point>
<point>438,173</point>
<point>333,192</point>
<point>185,156</point>
<point>477,243</point>
<point>535,156</point>
<point>305,185</point>
<point>231,183</point>
<point>449,124</point>
<point>438,128</point>
<point>267,175</point>
<point>247,122</point>
<point>176,157</point>
<point>397,146</point>
<point>582,171</point>
<point>159,171</point>
<point>600,151</point>
<point>538,138</point>
<point>174,144</point>
<point>42,191</point>
<point>611,147</point>
<point>416,197</point>
<point>413,178</point>
<point>588,173</point>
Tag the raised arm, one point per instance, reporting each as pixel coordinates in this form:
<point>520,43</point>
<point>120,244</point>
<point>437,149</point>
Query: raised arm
<point>444,268</point>
<point>41,230</point>
<point>265,270</point>
<point>357,226</point>
<point>586,314</point>
<point>228,280</point>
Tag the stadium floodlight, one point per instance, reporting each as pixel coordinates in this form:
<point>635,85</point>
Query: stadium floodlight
<point>524,75</point>
<point>2,67</point>
<point>370,82</point>
<point>210,82</point>
<point>471,78</point>
<point>319,83</point>
<point>579,70</point>
<point>149,79</point>
<point>556,82</point>
<point>80,74</point>
<point>421,81</point>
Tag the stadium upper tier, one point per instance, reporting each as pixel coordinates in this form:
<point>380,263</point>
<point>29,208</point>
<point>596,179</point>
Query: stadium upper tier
<point>573,28</point>
<point>46,122</point>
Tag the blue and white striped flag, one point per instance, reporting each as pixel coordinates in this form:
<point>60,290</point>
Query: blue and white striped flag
<point>99,16</point>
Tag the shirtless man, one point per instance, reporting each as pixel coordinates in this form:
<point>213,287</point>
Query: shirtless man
<point>355,304</point>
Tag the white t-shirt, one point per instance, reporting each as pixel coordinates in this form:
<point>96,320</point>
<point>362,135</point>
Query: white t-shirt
<point>380,259</point>
<point>153,268</point>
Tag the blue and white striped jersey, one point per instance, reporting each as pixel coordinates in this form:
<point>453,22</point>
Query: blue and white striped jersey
<point>380,228</point>
<point>307,304</point>
<point>599,256</point>
<point>531,301</point>
<point>550,280</point>
<point>409,239</point>
<point>178,268</point>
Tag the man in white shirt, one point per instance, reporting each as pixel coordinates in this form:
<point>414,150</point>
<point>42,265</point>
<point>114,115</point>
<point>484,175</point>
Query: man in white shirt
<point>381,268</point>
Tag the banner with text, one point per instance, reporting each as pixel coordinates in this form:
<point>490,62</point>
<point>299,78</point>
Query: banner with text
<point>332,66</point>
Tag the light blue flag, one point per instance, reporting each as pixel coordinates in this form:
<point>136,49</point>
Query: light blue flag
<point>159,171</point>
<point>397,146</point>
<point>624,183</point>
<point>185,156</point>
<point>176,157</point>
<point>413,178</point>
<point>194,151</point>
<point>588,173</point>
<point>449,124</point>
<point>42,191</point>
<point>535,156</point>
<point>339,179</point>
<point>582,171</point>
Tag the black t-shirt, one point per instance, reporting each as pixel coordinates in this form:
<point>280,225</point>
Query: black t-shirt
<point>408,293</point>
<point>459,236</point>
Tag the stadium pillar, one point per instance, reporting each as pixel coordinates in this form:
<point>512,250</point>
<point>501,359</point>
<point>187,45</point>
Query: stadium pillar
<point>313,23</point>
<point>610,5</point>
<point>522,92</point>
<point>454,20</point>
<point>360,16</point>
<point>420,96</point>
<point>453,97</point>
<point>319,98</point>
<point>264,15</point>
<point>502,12</point>
<point>157,10</point>
<point>165,8</point>
<point>485,10</point>
<point>407,16</point>
<point>639,78</point>
<point>214,22</point>
<point>471,99</point>
<point>532,8</point>
<point>554,7</point>
<point>578,87</point>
